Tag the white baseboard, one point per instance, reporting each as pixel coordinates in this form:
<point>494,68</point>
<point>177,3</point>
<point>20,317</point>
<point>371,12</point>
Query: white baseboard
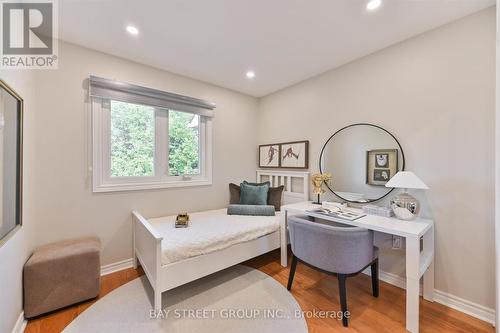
<point>465,306</point>
<point>117,266</point>
<point>20,324</point>
<point>391,278</point>
<point>472,309</point>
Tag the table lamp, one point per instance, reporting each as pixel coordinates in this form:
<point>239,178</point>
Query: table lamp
<point>405,206</point>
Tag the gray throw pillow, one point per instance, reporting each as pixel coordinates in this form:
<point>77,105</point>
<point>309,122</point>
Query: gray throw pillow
<point>253,195</point>
<point>234,194</point>
<point>274,197</point>
<point>254,210</point>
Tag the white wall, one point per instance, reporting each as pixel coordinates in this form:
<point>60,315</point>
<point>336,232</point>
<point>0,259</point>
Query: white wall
<point>435,93</point>
<point>67,208</point>
<point>17,249</point>
<point>497,177</point>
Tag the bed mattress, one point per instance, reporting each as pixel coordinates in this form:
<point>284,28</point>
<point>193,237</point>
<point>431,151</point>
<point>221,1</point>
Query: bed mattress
<point>209,231</point>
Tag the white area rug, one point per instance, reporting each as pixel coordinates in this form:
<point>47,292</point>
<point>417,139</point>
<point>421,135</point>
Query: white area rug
<point>238,299</point>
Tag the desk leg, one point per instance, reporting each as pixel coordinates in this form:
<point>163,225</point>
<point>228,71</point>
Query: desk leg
<point>412,283</point>
<point>283,238</point>
<point>429,273</point>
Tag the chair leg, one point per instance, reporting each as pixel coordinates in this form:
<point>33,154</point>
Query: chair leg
<point>375,279</point>
<point>292,272</point>
<point>343,298</point>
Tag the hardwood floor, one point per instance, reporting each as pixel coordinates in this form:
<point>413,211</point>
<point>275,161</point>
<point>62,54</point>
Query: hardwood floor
<point>313,291</point>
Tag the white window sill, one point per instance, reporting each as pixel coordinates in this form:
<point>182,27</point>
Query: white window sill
<point>151,186</point>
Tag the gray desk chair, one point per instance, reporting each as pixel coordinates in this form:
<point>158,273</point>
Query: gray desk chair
<point>333,248</point>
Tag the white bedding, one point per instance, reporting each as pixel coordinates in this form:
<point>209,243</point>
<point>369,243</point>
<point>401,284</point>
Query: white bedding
<point>209,231</point>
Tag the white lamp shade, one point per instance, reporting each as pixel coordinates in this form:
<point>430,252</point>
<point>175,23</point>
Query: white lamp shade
<point>406,179</point>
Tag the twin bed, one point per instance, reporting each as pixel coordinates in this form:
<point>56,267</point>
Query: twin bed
<point>214,240</point>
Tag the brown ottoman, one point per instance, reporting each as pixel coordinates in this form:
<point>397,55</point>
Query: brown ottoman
<point>61,274</point>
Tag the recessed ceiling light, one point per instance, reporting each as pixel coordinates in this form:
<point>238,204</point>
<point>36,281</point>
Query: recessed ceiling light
<point>132,30</point>
<point>373,4</point>
<point>250,74</point>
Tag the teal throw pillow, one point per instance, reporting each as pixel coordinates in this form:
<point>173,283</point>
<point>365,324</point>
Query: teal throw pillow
<point>255,210</point>
<point>253,194</point>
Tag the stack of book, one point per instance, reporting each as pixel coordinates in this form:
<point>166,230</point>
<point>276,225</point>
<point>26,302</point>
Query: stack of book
<point>182,221</point>
<point>378,210</point>
<point>340,213</point>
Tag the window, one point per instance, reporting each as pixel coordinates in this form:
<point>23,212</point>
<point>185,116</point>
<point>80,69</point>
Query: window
<point>183,143</point>
<point>144,138</point>
<point>141,147</point>
<point>132,140</point>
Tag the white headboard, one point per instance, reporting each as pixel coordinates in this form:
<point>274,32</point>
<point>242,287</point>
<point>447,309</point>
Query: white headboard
<point>296,183</point>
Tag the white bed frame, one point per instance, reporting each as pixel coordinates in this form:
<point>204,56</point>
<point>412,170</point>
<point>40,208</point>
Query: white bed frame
<point>147,242</point>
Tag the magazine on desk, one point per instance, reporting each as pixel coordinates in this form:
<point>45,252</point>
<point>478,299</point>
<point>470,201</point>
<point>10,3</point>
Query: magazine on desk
<point>341,214</point>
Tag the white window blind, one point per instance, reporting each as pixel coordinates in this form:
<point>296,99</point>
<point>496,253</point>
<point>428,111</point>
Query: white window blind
<point>131,93</point>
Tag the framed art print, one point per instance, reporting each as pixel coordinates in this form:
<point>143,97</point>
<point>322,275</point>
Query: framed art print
<point>381,165</point>
<point>269,156</point>
<point>294,155</point>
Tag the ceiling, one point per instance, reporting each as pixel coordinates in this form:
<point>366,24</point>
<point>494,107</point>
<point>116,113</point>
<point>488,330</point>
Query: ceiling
<point>283,41</point>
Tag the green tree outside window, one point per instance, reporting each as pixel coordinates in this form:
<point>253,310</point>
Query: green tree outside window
<point>133,141</point>
<point>184,143</point>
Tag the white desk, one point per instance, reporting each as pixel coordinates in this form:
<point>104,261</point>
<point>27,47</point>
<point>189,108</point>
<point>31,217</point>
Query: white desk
<point>418,263</point>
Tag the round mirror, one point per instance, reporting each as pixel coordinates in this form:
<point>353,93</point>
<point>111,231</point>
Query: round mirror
<point>361,158</point>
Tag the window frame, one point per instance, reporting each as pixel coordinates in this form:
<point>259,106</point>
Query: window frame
<point>101,144</point>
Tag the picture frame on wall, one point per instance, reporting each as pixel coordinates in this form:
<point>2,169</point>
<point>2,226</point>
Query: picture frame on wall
<point>381,165</point>
<point>294,155</point>
<point>286,155</point>
<point>269,156</point>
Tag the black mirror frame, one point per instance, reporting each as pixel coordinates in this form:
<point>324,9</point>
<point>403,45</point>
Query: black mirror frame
<point>346,127</point>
